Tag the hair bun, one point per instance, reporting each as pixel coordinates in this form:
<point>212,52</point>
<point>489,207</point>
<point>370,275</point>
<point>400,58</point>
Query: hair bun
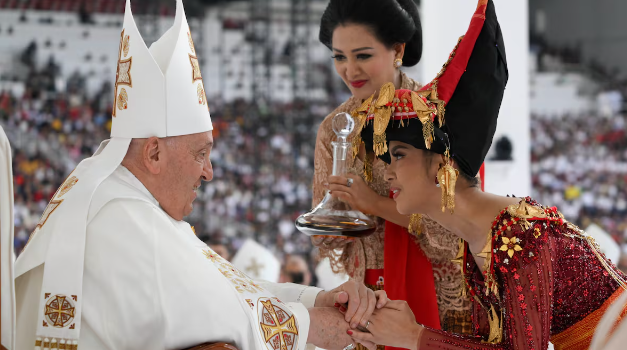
<point>413,47</point>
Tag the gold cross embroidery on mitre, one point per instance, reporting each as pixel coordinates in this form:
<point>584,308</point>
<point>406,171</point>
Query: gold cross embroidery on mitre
<point>289,326</point>
<point>254,267</point>
<point>122,75</point>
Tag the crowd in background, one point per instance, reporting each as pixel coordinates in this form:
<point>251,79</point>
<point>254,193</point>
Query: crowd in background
<point>579,164</point>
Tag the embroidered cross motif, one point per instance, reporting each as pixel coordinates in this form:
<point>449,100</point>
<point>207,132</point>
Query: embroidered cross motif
<point>278,323</point>
<point>59,311</point>
<point>122,75</point>
<point>254,268</point>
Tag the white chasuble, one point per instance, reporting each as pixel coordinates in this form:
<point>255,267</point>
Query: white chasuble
<point>150,283</point>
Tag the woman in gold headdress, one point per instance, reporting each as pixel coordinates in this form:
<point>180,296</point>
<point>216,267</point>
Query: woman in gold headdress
<point>532,276</point>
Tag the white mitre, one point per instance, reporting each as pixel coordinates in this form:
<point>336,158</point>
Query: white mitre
<point>608,245</point>
<point>158,92</point>
<point>257,262</point>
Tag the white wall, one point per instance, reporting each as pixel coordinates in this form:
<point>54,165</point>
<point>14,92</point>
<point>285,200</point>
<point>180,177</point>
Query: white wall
<point>443,22</point>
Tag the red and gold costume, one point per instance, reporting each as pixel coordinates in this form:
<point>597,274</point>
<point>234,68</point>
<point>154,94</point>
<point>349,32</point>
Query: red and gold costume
<point>543,280</point>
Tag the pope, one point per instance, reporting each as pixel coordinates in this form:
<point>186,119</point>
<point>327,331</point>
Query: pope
<point>112,264</point>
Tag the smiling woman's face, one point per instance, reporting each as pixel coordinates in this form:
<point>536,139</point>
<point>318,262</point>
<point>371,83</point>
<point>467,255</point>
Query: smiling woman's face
<point>411,175</point>
<point>363,62</point>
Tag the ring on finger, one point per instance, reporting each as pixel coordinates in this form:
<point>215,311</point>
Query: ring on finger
<point>349,182</point>
<point>367,324</point>
<point>350,346</point>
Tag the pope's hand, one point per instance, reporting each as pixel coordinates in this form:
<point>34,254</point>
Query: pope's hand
<point>328,329</point>
<point>361,301</point>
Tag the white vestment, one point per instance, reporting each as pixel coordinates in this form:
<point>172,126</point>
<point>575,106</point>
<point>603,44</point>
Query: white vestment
<point>149,283</point>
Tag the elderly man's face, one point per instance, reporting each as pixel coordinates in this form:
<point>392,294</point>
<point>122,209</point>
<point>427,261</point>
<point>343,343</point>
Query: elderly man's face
<point>187,166</point>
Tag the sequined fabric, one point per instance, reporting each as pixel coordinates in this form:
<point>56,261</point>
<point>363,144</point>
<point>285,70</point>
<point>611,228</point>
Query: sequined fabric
<point>439,245</point>
<point>548,277</point>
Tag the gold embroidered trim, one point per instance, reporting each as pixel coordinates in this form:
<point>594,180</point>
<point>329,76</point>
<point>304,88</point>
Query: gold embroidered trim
<point>382,118</point>
<point>122,102</point>
<point>368,166</point>
<point>122,75</point>
<point>191,42</point>
<point>202,97</point>
<point>54,344</point>
<point>196,75</point>
<point>67,186</point>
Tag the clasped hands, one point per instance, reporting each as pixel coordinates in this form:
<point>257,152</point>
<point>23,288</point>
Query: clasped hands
<point>352,313</point>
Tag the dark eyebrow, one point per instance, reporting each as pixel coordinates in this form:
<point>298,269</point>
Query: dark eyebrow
<point>396,148</point>
<point>355,50</point>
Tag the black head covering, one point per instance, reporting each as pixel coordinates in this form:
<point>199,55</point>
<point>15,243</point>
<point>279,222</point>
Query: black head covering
<point>471,86</point>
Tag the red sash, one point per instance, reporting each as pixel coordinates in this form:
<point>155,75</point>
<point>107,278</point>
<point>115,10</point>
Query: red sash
<point>408,275</point>
<point>482,176</point>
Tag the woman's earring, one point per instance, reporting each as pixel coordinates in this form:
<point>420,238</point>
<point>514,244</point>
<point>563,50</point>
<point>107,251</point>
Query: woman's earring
<point>437,184</point>
<point>447,176</point>
<point>415,224</point>
<point>398,63</point>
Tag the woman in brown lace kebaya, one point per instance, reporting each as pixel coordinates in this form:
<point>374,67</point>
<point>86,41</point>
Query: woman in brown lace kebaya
<point>532,276</point>
<point>370,41</point>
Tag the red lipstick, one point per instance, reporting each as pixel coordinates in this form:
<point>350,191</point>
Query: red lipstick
<point>358,83</point>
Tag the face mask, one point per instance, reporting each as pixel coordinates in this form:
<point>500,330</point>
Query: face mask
<point>297,277</point>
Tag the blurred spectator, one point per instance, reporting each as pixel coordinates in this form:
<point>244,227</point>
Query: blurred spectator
<point>503,149</point>
<point>296,270</point>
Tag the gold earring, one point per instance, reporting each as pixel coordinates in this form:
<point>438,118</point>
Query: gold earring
<point>415,224</point>
<point>398,63</point>
<point>447,177</point>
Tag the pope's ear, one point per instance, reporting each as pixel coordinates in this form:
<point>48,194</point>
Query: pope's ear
<point>152,155</point>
